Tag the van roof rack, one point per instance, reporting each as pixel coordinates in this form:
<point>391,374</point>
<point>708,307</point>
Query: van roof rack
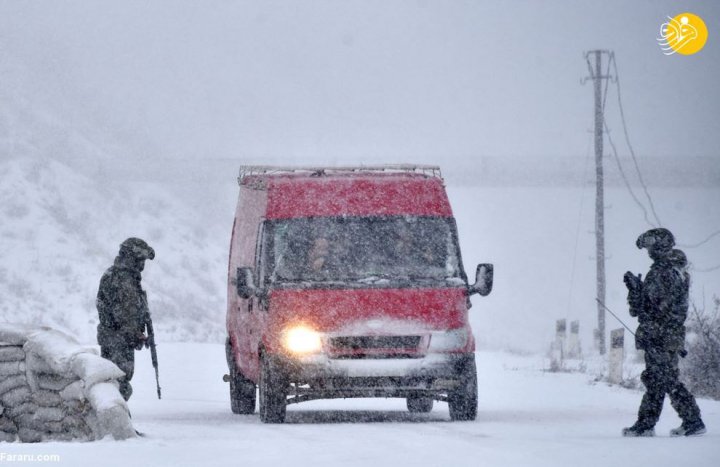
<point>427,170</point>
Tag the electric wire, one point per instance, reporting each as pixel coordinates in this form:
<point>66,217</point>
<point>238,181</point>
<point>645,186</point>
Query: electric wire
<point>637,169</point>
<point>612,143</point>
<point>634,158</point>
<point>639,173</point>
<point>624,177</point>
<point>695,245</point>
<point>627,140</point>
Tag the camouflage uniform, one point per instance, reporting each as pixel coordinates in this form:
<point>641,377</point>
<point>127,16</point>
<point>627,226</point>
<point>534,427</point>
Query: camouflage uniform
<point>660,303</point>
<point>122,309</point>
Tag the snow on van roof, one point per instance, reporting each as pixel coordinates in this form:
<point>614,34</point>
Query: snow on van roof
<point>260,170</point>
<point>349,191</point>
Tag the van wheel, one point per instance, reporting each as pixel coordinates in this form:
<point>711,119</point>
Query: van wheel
<point>419,404</point>
<point>463,400</point>
<point>242,390</point>
<point>273,393</point>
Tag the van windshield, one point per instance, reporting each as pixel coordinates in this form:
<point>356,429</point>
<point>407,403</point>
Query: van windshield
<point>364,250</point>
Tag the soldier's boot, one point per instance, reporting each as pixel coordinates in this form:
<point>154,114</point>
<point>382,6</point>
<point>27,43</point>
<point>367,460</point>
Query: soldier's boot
<point>695,428</point>
<point>684,403</point>
<point>639,429</point>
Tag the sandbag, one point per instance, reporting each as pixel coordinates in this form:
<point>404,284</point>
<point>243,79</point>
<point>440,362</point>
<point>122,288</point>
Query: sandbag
<point>60,436</point>
<point>74,406</point>
<point>49,414</point>
<point>76,425</point>
<point>16,396</point>
<point>45,398</point>
<point>8,369</point>
<point>81,435</point>
<point>16,334</point>
<point>36,365</point>
<point>55,348</point>
<point>26,420</point>
<point>33,423</point>
<point>12,382</point>
<point>11,353</point>
<point>104,396</point>
<point>22,409</point>
<point>7,425</point>
<point>28,435</point>
<point>93,369</point>
<point>52,382</point>
<point>74,391</point>
<point>74,421</point>
<point>113,416</point>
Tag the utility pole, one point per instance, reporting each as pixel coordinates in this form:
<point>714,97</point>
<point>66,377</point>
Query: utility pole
<point>597,77</point>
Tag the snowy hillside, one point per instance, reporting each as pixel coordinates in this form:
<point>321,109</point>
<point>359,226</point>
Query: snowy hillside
<point>62,220</point>
<point>61,230</point>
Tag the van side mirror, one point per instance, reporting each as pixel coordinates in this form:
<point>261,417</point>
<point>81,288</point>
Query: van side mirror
<point>245,283</point>
<point>483,279</point>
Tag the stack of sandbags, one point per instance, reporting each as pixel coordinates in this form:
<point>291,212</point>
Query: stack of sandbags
<point>51,388</point>
<point>14,390</point>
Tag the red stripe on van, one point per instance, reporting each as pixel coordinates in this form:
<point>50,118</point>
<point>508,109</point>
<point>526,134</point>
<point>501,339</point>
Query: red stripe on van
<point>290,197</point>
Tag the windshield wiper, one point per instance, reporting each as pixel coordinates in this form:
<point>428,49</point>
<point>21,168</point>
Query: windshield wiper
<point>375,279</point>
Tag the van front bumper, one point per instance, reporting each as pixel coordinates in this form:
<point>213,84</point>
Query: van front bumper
<point>321,377</point>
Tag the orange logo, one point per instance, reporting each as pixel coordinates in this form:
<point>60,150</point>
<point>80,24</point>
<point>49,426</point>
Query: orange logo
<point>685,34</point>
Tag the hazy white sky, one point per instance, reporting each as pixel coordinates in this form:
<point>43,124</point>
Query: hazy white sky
<point>372,80</point>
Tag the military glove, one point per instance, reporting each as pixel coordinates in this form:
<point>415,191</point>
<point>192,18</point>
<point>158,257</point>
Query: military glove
<point>141,342</point>
<point>632,282</point>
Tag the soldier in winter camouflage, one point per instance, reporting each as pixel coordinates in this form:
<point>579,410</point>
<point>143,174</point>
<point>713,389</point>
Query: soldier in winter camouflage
<point>122,309</point>
<point>660,302</point>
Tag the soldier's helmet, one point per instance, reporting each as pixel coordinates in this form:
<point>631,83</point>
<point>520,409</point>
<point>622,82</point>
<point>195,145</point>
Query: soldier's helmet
<point>136,248</point>
<point>659,240</point>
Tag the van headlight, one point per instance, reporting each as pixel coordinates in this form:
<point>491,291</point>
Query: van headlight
<point>302,340</point>
<point>447,341</point>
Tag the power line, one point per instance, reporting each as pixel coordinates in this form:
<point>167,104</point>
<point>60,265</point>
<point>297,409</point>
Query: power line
<point>627,140</point>
<point>624,177</point>
<point>714,234</point>
<point>612,143</point>
<point>637,168</point>
<point>634,159</point>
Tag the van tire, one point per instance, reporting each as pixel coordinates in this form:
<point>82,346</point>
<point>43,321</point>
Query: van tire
<point>273,392</point>
<point>242,390</point>
<point>463,400</point>
<point>419,404</point>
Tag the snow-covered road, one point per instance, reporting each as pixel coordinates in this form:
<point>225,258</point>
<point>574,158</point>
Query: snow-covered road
<point>527,417</point>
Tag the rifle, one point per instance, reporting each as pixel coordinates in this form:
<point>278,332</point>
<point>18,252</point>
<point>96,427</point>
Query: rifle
<point>616,316</point>
<point>153,350</point>
<point>150,342</point>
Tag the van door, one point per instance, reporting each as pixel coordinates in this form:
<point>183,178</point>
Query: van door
<point>256,312</point>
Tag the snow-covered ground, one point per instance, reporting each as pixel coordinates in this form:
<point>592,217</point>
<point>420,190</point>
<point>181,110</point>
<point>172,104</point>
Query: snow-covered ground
<point>526,417</point>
